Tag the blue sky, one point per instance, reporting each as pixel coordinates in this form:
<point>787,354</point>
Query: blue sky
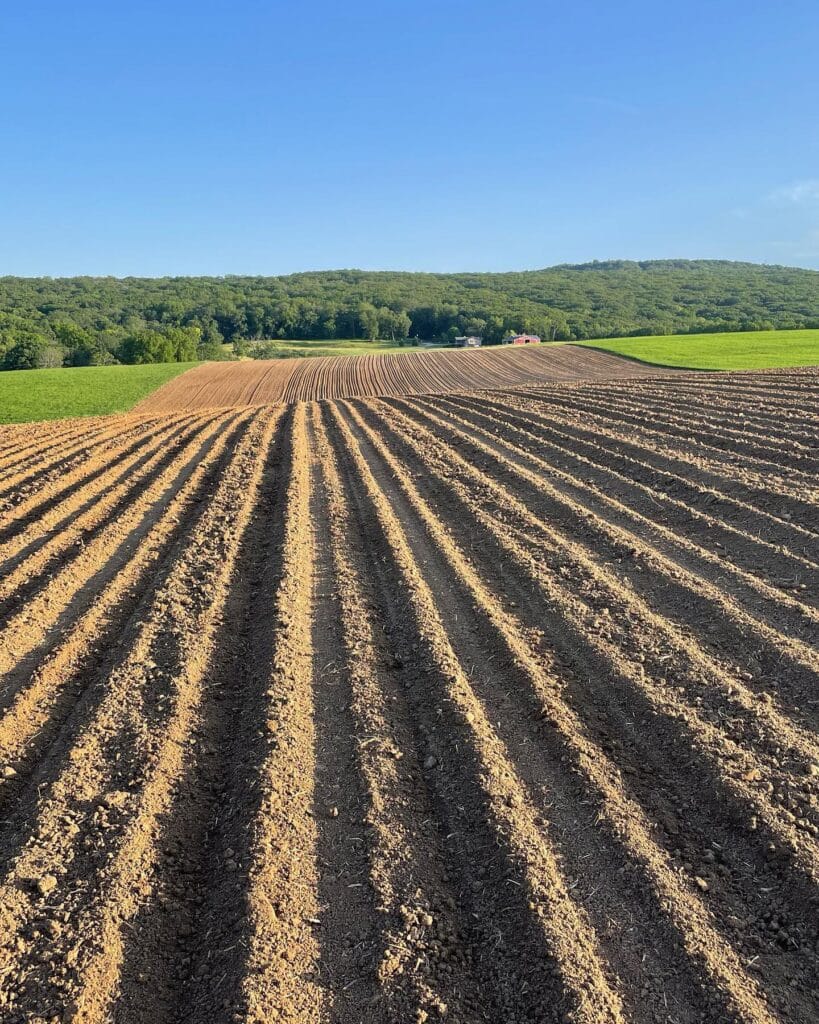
<point>265,137</point>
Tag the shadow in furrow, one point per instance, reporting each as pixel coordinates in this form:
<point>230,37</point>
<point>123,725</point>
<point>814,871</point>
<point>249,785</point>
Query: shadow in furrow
<point>114,561</point>
<point>183,960</point>
<point>705,832</point>
<point>522,974</point>
<point>758,647</point>
<point>79,685</point>
<point>108,462</point>
<point>761,546</point>
<point>36,581</point>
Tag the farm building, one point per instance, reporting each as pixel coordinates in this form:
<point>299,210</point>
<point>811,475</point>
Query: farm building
<point>521,339</point>
<point>469,341</point>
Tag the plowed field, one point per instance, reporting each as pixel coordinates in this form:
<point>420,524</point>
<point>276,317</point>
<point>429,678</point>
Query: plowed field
<point>492,707</point>
<point>256,382</point>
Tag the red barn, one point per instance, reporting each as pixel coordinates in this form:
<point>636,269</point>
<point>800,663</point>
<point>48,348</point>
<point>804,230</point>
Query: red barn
<point>521,339</point>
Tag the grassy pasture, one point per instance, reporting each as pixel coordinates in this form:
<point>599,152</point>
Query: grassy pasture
<point>28,395</point>
<point>748,350</point>
<point>285,347</point>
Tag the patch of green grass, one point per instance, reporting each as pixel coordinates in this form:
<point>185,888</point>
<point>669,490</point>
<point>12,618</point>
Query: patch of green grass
<point>748,350</point>
<point>27,395</point>
<point>285,348</point>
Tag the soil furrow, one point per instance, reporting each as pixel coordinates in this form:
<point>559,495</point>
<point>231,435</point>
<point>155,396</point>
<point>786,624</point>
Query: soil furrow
<point>723,531</point>
<point>781,519</point>
<point>32,558</point>
<point>73,587</point>
<point>575,402</point>
<point>628,823</point>
<point>544,912</point>
<point>279,976</point>
<point>779,661</point>
<point>49,507</point>
<point>82,872</point>
<point>39,699</point>
<point>697,429</point>
<point>33,441</point>
<point>753,419</point>
<point>724,849</point>
<point>426,961</point>
<point>17,486</point>
<point>708,443</point>
<point>180,960</point>
<point>645,669</point>
<point>661,639</point>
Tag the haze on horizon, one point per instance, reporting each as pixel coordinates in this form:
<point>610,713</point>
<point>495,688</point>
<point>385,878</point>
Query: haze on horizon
<point>257,138</point>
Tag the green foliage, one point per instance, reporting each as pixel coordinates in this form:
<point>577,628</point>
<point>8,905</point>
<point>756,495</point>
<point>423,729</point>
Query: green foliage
<point>102,320</point>
<point>79,391</point>
<point>289,348</point>
<point>65,342</point>
<point>368,319</point>
<point>762,350</point>
<point>211,335</point>
<point>78,343</point>
<point>146,347</point>
<point>211,351</point>
<point>166,345</point>
<point>23,350</point>
<point>392,324</point>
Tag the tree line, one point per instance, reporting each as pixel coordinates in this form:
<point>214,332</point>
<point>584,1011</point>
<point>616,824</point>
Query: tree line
<point>90,321</point>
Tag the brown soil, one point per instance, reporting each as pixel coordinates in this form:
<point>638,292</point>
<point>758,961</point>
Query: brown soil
<point>260,382</point>
<point>473,706</point>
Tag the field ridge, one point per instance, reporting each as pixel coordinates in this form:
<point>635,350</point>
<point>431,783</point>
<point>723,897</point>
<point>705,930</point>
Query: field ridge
<point>462,704</point>
<point>260,382</point>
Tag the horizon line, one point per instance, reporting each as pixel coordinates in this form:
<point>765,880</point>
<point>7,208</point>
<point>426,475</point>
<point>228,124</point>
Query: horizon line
<point>389,270</point>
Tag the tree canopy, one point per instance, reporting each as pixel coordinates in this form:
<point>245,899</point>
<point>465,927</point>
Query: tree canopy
<point>87,320</point>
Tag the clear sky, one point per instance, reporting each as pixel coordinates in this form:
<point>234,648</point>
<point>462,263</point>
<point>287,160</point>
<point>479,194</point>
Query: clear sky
<point>194,136</point>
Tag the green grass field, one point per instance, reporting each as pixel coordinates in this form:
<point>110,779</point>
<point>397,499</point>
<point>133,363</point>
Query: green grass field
<point>27,395</point>
<point>751,350</point>
<point>286,348</point>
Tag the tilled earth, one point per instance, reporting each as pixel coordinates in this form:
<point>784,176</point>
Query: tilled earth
<point>438,371</point>
<point>478,707</point>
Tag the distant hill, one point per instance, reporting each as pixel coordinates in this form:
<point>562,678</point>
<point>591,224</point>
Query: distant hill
<point>86,319</point>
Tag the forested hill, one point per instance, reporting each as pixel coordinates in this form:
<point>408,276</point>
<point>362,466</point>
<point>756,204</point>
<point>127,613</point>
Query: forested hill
<point>84,319</point>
